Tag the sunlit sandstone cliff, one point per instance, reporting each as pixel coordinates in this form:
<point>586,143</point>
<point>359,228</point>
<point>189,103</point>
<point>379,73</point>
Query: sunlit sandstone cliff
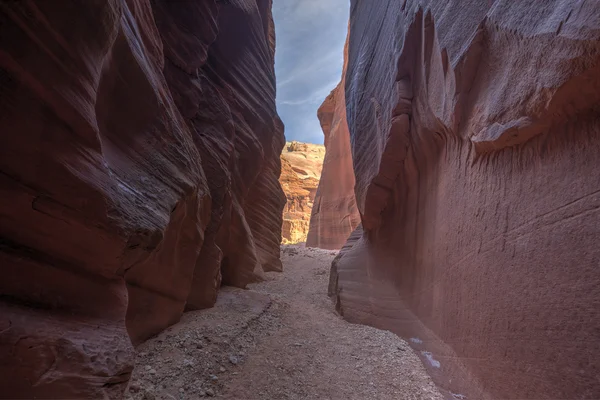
<point>301,165</point>
<point>334,214</point>
<point>475,136</point>
<point>139,165</point>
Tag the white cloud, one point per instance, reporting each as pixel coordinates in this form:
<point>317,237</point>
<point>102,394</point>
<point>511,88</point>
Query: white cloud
<point>309,58</point>
<point>316,96</point>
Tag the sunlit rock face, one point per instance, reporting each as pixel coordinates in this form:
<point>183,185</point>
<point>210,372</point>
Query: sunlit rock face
<point>334,214</point>
<point>139,163</point>
<point>301,165</point>
<point>475,136</point>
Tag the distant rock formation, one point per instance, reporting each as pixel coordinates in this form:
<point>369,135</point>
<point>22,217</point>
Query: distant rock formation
<point>139,166</point>
<point>475,135</point>
<point>301,165</point>
<point>334,215</point>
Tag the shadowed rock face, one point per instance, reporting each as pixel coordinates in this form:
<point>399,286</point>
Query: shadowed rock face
<point>334,214</point>
<point>301,165</point>
<point>475,134</point>
<point>139,165</point>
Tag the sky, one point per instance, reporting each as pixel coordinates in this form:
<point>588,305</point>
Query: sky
<point>308,61</point>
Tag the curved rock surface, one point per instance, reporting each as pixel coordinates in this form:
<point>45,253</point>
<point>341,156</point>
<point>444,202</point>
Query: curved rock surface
<point>139,166</point>
<point>301,165</point>
<point>334,214</point>
<point>475,133</point>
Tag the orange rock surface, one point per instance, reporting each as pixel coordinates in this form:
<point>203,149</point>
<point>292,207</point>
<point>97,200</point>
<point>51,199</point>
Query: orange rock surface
<point>300,173</point>
<point>334,215</point>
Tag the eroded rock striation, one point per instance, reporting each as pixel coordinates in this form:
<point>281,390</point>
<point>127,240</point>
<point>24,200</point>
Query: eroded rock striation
<point>334,214</point>
<point>301,165</point>
<point>139,166</point>
<point>475,134</point>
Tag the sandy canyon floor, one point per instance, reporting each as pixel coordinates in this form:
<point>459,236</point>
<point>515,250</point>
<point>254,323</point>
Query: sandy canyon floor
<point>281,339</point>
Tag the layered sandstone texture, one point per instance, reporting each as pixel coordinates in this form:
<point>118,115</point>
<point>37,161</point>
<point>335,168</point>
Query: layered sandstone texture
<point>139,165</point>
<point>334,214</point>
<point>475,134</point>
<point>301,165</point>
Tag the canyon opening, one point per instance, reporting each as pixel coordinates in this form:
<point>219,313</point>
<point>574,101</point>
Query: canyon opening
<point>426,227</point>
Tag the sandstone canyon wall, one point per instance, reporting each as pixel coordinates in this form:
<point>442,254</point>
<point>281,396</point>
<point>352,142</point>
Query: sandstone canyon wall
<point>139,166</point>
<point>301,165</point>
<point>475,135</point>
<point>334,214</point>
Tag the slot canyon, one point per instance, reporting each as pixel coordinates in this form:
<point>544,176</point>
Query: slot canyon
<point>162,238</point>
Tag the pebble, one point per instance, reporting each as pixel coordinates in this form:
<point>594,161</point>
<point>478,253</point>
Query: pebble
<point>149,395</point>
<point>222,369</point>
<point>210,392</point>
<point>152,371</point>
<point>234,360</point>
<point>188,363</point>
<point>214,377</point>
<point>134,387</point>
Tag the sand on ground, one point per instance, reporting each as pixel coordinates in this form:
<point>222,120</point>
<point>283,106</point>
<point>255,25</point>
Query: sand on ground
<point>280,339</point>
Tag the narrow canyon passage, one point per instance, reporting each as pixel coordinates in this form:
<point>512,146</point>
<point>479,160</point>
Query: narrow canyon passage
<point>281,339</point>
<point>152,163</point>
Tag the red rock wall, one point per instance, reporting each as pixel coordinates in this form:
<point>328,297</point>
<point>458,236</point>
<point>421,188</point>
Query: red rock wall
<point>139,165</point>
<point>334,214</point>
<point>475,133</point>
